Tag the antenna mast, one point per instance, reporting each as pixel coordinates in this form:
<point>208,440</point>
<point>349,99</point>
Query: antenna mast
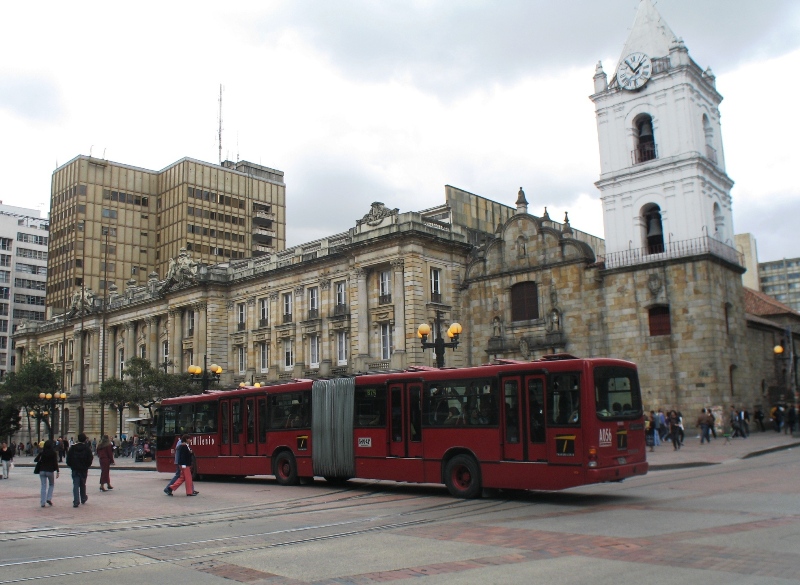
<point>219,136</point>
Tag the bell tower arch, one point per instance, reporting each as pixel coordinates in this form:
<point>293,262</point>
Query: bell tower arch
<point>660,142</point>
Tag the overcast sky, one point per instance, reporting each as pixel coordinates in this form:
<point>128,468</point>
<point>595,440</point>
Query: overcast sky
<point>388,101</point>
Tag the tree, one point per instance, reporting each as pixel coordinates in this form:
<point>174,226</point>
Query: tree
<point>22,388</point>
<point>142,385</point>
<point>10,420</point>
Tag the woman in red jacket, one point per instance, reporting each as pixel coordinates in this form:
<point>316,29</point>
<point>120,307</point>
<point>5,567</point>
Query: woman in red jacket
<point>105,453</point>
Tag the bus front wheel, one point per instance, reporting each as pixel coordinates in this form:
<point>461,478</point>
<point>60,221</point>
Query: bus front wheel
<point>285,468</point>
<point>462,476</point>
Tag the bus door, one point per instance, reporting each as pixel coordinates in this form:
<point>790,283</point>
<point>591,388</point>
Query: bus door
<point>250,446</point>
<point>405,432</point>
<point>238,437</point>
<point>563,419</point>
<point>535,418</point>
<point>224,427</point>
<point>511,421</point>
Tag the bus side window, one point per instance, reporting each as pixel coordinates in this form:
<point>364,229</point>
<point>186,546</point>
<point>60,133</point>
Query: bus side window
<point>564,400</point>
<point>536,405</point>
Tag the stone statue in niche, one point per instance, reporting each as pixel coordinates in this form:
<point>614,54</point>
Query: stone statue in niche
<point>524,349</point>
<point>497,327</point>
<point>554,320</point>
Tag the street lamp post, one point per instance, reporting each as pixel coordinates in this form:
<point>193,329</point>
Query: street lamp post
<point>778,350</point>
<point>439,344</point>
<point>205,375</point>
<point>48,409</point>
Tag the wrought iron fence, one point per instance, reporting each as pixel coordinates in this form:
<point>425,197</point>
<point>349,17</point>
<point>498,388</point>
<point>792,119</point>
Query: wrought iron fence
<point>679,249</point>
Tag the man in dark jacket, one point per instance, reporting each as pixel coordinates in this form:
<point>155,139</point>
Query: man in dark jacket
<point>79,459</point>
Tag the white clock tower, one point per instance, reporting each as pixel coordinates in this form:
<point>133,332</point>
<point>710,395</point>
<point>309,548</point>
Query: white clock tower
<point>662,170</point>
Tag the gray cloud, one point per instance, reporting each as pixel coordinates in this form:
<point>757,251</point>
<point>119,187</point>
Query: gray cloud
<point>29,97</point>
<point>776,233</point>
<point>449,47</point>
<point>326,197</point>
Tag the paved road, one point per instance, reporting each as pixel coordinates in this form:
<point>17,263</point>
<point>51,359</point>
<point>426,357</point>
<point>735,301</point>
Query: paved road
<point>738,521</point>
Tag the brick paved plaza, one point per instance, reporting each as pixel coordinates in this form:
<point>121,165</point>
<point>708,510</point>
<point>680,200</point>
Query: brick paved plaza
<point>704,514</point>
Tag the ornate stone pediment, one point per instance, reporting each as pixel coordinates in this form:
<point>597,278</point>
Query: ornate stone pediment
<point>182,272</point>
<point>84,302</point>
<point>377,214</point>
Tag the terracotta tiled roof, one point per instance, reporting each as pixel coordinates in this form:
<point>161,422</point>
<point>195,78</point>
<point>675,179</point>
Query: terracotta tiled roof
<point>758,303</point>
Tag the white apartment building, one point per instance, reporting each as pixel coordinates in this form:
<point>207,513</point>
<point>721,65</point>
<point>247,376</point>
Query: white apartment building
<point>23,273</point>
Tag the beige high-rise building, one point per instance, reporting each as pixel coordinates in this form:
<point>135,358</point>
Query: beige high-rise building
<point>112,222</point>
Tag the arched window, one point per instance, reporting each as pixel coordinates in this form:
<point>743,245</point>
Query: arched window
<point>659,321</point>
<point>524,301</point>
<point>645,145</point>
<point>653,230</point>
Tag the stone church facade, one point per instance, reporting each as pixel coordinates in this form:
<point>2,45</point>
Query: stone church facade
<point>664,290</point>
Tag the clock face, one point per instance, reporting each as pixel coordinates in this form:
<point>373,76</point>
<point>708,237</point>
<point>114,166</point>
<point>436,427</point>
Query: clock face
<point>634,71</point>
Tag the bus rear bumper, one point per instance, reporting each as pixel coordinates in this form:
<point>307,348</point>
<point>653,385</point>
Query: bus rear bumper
<point>617,473</point>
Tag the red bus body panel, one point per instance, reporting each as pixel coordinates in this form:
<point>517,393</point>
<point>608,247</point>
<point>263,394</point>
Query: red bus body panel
<point>596,451</point>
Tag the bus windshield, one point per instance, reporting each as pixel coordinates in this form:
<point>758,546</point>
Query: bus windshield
<point>617,394</point>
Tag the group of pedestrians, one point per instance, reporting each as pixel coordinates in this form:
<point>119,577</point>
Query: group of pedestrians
<point>662,428</point>
<point>79,459</point>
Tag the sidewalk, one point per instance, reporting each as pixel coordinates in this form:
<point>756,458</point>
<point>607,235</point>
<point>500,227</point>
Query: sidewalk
<point>126,463</point>
<point>692,454</point>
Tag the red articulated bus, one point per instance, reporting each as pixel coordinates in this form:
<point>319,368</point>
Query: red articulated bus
<point>549,424</point>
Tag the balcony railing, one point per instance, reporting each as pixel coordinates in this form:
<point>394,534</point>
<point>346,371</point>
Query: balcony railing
<point>385,299</point>
<point>240,326</point>
<point>313,313</point>
<point>190,332</point>
<point>340,310</point>
<point>436,297</point>
<point>287,317</point>
<point>643,153</point>
<point>680,249</point>
<point>263,322</point>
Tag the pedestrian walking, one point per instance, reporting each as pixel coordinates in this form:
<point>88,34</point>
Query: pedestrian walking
<point>6,457</point>
<point>47,468</point>
<point>712,423</point>
<point>791,420</point>
<point>702,422</point>
<point>94,445</point>
<point>178,470</point>
<point>185,461</point>
<point>105,454</point>
<point>79,459</point>
<point>674,430</point>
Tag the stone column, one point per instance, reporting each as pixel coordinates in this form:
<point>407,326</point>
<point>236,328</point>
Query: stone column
<point>200,328</point>
<point>93,338</point>
<point>327,343</point>
<point>130,340</point>
<point>175,345</point>
<point>111,353</point>
<point>363,312</point>
<point>399,302</point>
<point>152,341</point>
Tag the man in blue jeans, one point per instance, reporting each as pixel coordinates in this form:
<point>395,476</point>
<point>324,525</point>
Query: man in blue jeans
<point>79,459</point>
<point>178,470</point>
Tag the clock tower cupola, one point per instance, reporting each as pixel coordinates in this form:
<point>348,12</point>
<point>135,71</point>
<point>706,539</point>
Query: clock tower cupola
<point>662,169</point>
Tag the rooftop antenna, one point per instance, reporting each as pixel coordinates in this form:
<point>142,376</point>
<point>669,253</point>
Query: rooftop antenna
<point>219,135</point>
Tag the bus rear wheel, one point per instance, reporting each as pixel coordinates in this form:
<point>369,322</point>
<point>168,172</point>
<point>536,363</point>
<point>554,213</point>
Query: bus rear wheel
<point>462,476</point>
<point>285,468</point>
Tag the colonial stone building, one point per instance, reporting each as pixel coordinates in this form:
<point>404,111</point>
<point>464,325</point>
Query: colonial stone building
<point>664,290</point>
